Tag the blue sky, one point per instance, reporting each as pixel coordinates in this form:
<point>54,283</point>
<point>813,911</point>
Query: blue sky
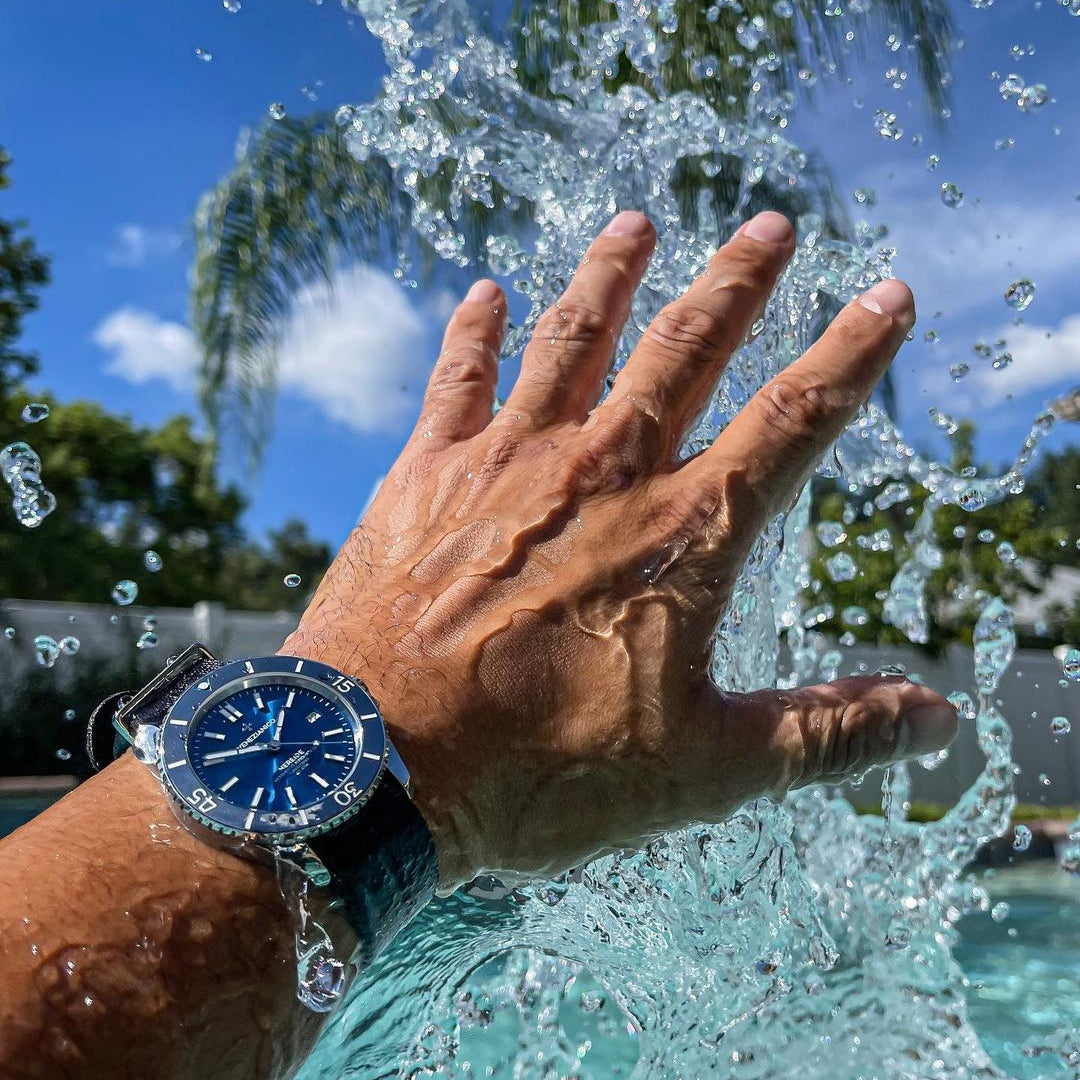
<point>116,127</point>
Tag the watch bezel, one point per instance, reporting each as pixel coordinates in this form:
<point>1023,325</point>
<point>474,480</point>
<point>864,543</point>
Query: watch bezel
<point>182,783</point>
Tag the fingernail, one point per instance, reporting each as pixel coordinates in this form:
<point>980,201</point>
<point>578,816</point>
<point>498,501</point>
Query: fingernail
<point>482,292</point>
<point>927,729</point>
<point>627,223</point>
<point>768,226</point>
<point>890,297</point>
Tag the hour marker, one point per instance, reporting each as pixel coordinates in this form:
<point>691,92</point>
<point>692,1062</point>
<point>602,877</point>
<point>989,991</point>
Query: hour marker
<point>333,731</point>
<point>299,665</point>
<point>257,796</point>
<point>179,723</point>
<point>334,757</point>
<point>313,716</point>
<point>259,700</point>
<point>369,716</point>
<point>228,784</point>
<point>248,668</point>
<point>175,764</point>
<point>373,757</point>
<point>289,699</point>
<point>249,819</point>
<point>318,780</point>
<point>302,815</point>
<point>219,735</point>
<point>231,711</point>
<point>290,796</point>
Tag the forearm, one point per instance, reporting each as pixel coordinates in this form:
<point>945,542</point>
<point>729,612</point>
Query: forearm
<point>130,948</point>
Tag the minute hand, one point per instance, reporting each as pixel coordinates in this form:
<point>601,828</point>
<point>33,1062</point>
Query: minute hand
<point>221,755</point>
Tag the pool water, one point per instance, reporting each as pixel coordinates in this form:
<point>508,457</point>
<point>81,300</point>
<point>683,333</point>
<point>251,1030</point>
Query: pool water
<point>1024,970</point>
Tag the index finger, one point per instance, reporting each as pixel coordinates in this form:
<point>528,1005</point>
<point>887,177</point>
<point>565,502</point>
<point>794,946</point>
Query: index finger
<point>779,437</point>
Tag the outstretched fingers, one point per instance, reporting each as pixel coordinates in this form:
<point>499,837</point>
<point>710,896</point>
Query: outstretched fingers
<point>563,367</point>
<point>461,391</point>
<point>769,450</point>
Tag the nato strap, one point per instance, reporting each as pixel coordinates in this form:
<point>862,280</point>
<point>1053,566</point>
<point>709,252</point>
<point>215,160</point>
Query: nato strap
<point>382,861</point>
<point>382,864</point>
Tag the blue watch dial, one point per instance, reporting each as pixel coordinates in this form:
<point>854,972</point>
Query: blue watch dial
<point>273,747</point>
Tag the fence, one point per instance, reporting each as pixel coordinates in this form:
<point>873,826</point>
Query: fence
<point>1031,692</point>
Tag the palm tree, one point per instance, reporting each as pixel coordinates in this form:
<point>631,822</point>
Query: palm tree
<point>297,202</point>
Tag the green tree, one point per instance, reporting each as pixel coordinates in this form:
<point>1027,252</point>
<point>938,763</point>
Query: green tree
<point>297,202</point>
<point>1001,550</point>
<point>23,273</point>
<point>122,488</point>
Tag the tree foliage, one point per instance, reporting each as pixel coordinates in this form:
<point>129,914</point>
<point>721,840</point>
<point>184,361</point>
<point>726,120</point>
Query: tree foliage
<point>974,565</point>
<point>23,273</point>
<point>122,488</point>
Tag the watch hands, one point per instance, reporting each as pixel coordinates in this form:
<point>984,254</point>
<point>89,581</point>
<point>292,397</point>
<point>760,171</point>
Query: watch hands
<point>280,724</point>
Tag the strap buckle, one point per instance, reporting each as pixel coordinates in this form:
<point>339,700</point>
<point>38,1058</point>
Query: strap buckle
<point>184,662</point>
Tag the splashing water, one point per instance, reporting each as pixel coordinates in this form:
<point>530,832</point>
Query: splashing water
<point>792,936</point>
<point>31,500</point>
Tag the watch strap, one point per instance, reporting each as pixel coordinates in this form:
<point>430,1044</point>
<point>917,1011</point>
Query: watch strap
<point>382,864</point>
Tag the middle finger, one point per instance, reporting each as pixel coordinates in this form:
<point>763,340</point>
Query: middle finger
<point>674,368</point>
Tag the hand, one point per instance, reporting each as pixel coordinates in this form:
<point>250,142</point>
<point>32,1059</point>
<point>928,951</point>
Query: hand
<point>531,596</point>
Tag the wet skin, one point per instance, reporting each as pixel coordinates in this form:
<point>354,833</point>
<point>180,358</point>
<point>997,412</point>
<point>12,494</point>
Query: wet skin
<point>530,599</point>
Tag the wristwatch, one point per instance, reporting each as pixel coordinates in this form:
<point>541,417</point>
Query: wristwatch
<point>286,757</point>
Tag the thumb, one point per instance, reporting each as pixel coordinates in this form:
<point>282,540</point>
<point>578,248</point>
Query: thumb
<point>784,739</point>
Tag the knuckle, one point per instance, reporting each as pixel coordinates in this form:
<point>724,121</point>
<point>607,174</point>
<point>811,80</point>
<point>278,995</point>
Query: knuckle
<point>500,451</point>
<point>576,325</point>
<point>801,410</point>
<point>467,364</point>
<point>690,331</point>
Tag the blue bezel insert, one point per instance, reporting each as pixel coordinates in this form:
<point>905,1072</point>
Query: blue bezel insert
<point>338,805</point>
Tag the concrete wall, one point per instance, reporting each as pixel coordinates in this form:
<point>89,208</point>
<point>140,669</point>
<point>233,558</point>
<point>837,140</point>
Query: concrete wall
<point>1031,693</point>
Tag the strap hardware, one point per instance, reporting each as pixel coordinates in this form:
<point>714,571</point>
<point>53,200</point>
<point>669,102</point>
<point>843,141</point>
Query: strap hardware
<point>184,662</point>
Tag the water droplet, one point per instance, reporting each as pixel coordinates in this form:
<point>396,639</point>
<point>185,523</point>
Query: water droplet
<point>592,1001</point>
<point>999,912</point>
<point>1004,144</point>
<point>9,632</point>
<point>147,640</point>
<point>962,703</point>
<point>21,468</point>
<point>1071,6</point>
<point>152,561</point>
<point>69,715</point>
<point>63,755</point>
<point>1033,97</point>
<point>841,567</point>
<point>69,645</point>
<point>34,412</point>
<point>277,111</point>
<point>1070,665</point>
<point>1021,838</point>
<point>952,196</point>
<point>932,162</point>
<point>147,744</point>
<point>291,581</point>
<point>204,55</point>
<point>46,650</point>
<point>830,533</point>
<point>231,6</point>
<point>959,370</point>
<point>854,616</point>
<point>1060,725</point>
<point>866,196</point>
<point>1006,553</point>
<point>886,125</point>
<point>124,592</point>
<point>1020,294</point>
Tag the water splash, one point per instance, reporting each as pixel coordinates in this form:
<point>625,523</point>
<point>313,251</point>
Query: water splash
<point>790,937</point>
<point>31,500</point>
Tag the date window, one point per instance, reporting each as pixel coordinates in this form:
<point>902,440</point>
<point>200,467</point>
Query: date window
<point>313,716</point>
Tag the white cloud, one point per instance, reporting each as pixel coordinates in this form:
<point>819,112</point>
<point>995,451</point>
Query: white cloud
<point>146,347</point>
<point>1044,359</point>
<point>361,352</point>
<point>135,245</point>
